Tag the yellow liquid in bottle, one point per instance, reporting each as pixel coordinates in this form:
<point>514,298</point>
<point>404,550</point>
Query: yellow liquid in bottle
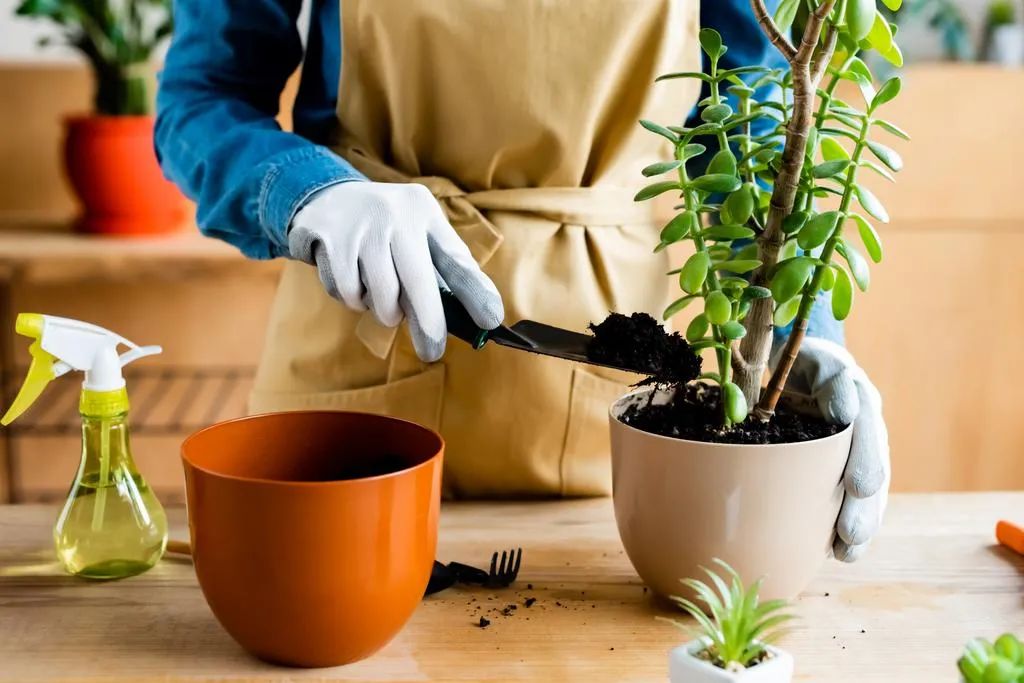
<point>112,525</point>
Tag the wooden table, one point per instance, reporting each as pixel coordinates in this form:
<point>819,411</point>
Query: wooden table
<point>933,580</point>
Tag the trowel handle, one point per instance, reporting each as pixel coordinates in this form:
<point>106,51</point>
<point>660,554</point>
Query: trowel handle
<point>459,322</point>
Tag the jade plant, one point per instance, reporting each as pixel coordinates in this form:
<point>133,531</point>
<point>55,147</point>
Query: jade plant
<point>771,189</point>
<point>117,37</point>
<point>735,625</point>
<point>999,662</point>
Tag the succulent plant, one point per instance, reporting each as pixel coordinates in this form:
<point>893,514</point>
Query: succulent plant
<point>999,662</point>
<point>734,623</point>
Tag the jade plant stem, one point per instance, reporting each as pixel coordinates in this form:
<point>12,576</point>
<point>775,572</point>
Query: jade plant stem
<point>807,64</point>
<point>796,336</point>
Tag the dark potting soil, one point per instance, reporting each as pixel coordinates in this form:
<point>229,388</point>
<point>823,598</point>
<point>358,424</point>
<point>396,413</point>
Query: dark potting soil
<point>694,414</point>
<point>641,343</point>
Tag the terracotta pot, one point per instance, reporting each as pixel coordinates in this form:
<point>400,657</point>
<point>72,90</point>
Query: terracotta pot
<point>313,533</point>
<point>769,511</point>
<point>113,169</point>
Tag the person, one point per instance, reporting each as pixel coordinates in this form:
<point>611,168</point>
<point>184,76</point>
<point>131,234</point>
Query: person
<point>490,144</point>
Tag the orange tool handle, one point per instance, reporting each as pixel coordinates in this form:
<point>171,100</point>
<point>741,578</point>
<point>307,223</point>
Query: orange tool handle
<point>1010,535</point>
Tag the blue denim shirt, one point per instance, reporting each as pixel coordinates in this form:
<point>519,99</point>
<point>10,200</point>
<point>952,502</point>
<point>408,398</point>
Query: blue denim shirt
<point>228,62</point>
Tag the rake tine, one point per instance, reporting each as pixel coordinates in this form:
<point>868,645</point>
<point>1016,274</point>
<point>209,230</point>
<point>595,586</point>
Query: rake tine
<point>515,569</point>
<point>503,568</point>
<point>494,565</point>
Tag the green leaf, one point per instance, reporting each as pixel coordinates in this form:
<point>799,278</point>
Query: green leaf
<point>716,183</point>
<point>723,163</point>
<point>894,56</point>
<point>756,292</point>
<point>786,312</point>
<point>887,156</point>
<point>738,265</point>
<point>894,5</point>
<point>735,403</point>
<point>705,129</point>
<point>871,204</point>
<point>724,233</point>
<point>869,236</point>
<point>679,227</point>
<point>717,308</point>
<point>830,168</point>
<point>1008,647</point>
<point>660,130</point>
<point>860,17</point>
<point>879,170</point>
<point>842,294</point>
<point>892,128</point>
<point>738,207</point>
<point>686,74</point>
<point>828,279</point>
<point>786,14</point>
<point>716,113</point>
<point>791,276</point>
<point>733,330</point>
<point>678,305</point>
<point>656,189</point>
<point>661,167</point>
<point>888,92</point>
<point>818,230</point>
<point>693,150</point>
<point>795,221</point>
<point>697,328</point>
<point>711,42</point>
<point>880,37</point>
<point>693,274</point>
<point>858,266</point>
<point>833,150</point>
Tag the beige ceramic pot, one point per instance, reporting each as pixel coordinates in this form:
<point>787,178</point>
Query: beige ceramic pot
<point>769,511</point>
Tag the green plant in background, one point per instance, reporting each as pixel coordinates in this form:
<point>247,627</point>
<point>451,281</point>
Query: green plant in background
<point>1000,13</point>
<point>985,662</point>
<point>945,18</point>
<point>764,250</point>
<point>735,625</point>
<point>117,37</point>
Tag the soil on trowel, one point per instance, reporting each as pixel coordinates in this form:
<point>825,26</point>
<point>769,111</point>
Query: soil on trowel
<point>641,343</point>
<point>693,413</point>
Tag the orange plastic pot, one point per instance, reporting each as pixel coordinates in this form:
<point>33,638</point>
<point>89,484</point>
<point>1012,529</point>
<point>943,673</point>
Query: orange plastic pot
<point>313,533</point>
<point>113,169</point>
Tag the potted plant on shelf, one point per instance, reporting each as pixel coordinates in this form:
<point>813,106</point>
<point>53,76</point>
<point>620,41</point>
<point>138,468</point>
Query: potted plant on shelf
<point>109,155</point>
<point>720,467</point>
<point>734,629</point>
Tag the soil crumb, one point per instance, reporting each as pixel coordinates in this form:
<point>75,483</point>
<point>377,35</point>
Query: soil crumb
<point>641,343</point>
<point>483,623</point>
<point>529,602</point>
<point>693,413</point>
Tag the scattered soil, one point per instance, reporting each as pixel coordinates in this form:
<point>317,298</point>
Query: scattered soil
<point>483,623</point>
<point>639,342</point>
<point>694,414</point>
<point>529,602</point>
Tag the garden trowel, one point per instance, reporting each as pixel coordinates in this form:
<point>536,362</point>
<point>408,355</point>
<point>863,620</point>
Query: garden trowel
<point>525,335</point>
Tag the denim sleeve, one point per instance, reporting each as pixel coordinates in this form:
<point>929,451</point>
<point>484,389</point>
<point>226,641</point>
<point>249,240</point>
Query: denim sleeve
<point>748,46</point>
<point>216,136</point>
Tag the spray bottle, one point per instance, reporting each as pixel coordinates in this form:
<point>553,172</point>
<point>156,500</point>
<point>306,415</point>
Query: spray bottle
<point>111,525</point>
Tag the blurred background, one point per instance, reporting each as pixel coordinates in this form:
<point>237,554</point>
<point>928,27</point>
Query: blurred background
<point>937,331</point>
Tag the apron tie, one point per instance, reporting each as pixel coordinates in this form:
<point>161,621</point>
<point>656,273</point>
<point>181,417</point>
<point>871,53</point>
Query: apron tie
<point>467,212</point>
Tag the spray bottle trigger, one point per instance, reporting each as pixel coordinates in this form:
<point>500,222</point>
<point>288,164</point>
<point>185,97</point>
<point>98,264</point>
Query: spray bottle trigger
<point>139,352</point>
<point>40,372</point>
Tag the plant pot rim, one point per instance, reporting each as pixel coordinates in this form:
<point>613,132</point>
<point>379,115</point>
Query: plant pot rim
<point>110,120</point>
<point>732,446</point>
<point>691,648</point>
<point>283,483</point>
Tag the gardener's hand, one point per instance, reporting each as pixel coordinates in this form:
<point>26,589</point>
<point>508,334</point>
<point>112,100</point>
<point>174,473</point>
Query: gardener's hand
<point>377,246</point>
<point>844,394</point>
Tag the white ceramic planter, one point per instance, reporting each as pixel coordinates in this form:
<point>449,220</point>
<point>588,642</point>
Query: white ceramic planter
<point>685,667</point>
<point>769,511</point>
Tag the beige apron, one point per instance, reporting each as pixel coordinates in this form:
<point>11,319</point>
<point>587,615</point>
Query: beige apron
<point>521,117</point>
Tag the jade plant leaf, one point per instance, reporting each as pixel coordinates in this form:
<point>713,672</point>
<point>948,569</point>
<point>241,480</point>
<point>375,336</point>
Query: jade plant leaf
<point>735,402</point>
<point>830,168</point>
<point>887,156</point>
<point>818,230</point>
<point>795,221</point>
<point>842,294</point>
<point>677,228</point>
<point>894,5</point>
<point>693,274</point>
<point>858,266</point>
<point>832,150</point>
<point>860,17</point>
<point>739,265</point>
<point>717,308</point>
<point>678,305</point>
<point>786,312</point>
<point>661,167</point>
<point>892,128</point>
<point>869,236</point>
<point>693,150</point>
<point>733,330</point>
<point>697,328</point>
<point>728,232</point>
<point>717,183</point>
<point>656,189</point>
<point>711,43</point>
<point>716,113</point>
<point>880,37</point>
<point>738,207</point>
<point>871,204</point>
<point>723,163</point>
<point>786,14</point>
<point>791,276</point>
<point>660,130</point>
<point>888,92</point>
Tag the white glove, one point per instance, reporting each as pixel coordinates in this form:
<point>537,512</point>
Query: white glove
<point>377,245</point>
<point>828,372</point>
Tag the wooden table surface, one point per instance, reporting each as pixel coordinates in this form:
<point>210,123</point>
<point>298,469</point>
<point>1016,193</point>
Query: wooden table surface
<point>933,580</point>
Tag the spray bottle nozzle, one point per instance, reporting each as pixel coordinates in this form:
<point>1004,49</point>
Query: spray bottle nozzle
<point>62,345</point>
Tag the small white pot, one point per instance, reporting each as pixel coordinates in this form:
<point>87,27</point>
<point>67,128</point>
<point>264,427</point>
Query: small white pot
<point>685,667</point>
